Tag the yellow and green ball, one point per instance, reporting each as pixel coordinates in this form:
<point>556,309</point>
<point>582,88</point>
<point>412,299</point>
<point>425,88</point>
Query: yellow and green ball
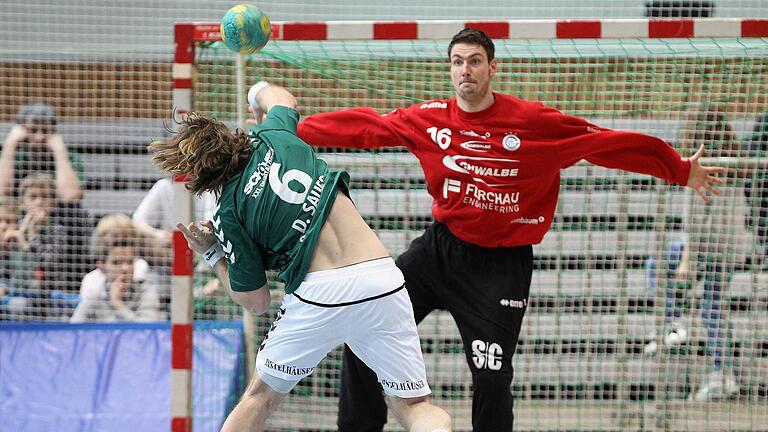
<point>245,29</point>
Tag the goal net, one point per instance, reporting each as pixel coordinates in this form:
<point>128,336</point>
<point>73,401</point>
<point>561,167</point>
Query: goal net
<point>614,338</point>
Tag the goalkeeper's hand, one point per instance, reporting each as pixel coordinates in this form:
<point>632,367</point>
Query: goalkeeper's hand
<point>701,178</point>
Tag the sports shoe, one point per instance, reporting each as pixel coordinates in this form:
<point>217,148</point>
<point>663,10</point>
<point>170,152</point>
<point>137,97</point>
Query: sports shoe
<point>675,337</point>
<point>717,386</point>
<point>651,347</point>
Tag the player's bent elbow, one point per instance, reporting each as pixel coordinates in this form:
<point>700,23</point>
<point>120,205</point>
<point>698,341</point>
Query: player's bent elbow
<point>256,301</point>
<point>286,101</point>
<point>274,96</point>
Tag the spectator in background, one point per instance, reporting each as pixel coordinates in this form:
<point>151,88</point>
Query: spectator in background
<point>14,299</point>
<point>716,243</point>
<point>116,225</point>
<point>11,237</point>
<point>154,214</point>
<point>119,296</point>
<point>756,191</point>
<point>34,146</point>
<point>119,225</point>
<point>154,217</point>
<point>57,234</point>
<point>756,187</point>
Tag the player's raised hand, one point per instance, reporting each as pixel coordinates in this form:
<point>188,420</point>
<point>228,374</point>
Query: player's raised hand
<point>701,178</point>
<point>253,104</point>
<point>199,238</point>
<point>258,116</point>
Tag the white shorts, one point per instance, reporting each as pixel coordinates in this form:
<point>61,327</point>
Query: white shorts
<point>365,306</point>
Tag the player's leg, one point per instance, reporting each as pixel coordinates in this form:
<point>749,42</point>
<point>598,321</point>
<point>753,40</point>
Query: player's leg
<point>419,415</point>
<point>258,402</point>
<point>488,301</point>
<point>489,355</point>
<point>361,403</point>
<point>383,334</point>
<point>300,337</point>
<point>362,407</point>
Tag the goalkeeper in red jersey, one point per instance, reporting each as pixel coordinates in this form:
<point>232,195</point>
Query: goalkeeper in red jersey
<point>492,165</point>
<point>280,207</point>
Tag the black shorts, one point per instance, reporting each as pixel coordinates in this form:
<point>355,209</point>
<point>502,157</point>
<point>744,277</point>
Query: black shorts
<point>485,289</point>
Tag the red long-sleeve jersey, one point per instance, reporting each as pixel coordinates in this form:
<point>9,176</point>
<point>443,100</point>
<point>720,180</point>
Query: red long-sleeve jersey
<point>494,175</point>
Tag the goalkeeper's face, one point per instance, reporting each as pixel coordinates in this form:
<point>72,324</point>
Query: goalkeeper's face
<point>471,72</point>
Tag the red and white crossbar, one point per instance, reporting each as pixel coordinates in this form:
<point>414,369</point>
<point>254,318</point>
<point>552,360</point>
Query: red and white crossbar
<point>507,29</point>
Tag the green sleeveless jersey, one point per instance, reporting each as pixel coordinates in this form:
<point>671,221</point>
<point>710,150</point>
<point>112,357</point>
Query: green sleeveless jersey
<point>270,214</point>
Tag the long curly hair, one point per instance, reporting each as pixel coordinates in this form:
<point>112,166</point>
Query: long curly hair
<point>204,150</point>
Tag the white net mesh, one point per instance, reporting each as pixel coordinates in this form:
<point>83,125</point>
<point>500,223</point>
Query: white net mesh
<point>601,296</point>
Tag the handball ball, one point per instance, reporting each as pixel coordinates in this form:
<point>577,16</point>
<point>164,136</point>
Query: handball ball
<point>245,29</point>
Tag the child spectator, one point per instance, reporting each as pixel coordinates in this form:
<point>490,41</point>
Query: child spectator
<point>57,233</point>
<point>119,296</point>
<point>11,237</point>
<point>716,245</point>
<point>14,298</point>
<point>116,225</point>
<point>756,188</point>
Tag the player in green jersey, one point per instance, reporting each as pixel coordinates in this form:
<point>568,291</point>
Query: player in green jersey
<point>280,207</point>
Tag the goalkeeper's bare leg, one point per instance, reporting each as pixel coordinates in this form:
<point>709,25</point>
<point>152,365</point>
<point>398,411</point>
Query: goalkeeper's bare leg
<point>417,414</point>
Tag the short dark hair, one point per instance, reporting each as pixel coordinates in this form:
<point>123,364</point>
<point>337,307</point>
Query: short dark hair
<point>474,37</point>
<point>38,112</point>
